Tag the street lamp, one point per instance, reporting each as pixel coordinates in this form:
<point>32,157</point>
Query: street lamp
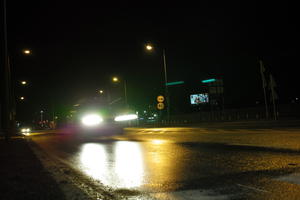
<point>116,80</point>
<point>22,98</point>
<point>101,91</point>
<point>23,82</point>
<point>42,115</point>
<point>26,51</point>
<point>149,47</point>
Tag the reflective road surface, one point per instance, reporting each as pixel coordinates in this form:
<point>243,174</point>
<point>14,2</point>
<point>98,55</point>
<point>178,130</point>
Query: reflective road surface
<point>187,163</point>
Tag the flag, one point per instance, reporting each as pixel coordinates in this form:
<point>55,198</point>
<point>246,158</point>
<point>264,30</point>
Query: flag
<point>272,87</point>
<point>272,82</point>
<point>262,67</point>
<point>262,70</point>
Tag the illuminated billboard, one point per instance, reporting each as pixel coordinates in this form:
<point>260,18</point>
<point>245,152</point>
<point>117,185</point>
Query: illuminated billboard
<point>199,98</point>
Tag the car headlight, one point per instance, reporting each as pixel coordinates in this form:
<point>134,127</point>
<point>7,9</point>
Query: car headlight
<point>91,120</point>
<point>126,117</point>
<point>25,130</point>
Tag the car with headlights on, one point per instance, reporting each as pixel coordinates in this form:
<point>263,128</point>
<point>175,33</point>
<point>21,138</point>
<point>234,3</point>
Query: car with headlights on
<point>101,119</point>
<point>25,131</point>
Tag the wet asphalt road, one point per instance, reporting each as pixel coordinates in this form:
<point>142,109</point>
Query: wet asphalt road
<point>187,163</point>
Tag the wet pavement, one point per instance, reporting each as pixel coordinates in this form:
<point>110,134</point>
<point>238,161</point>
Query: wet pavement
<point>186,163</point>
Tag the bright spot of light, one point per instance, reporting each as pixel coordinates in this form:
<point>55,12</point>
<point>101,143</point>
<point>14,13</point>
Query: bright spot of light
<point>149,47</point>
<point>126,117</point>
<point>157,141</point>
<point>119,164</point>
<point>93,158</point>
<point>91,120</point>
<point>115,79</point>
<point>26,51</point>
<point>129,164</point>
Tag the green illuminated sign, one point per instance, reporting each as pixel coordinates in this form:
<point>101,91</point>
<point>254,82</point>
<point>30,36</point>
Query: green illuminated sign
<point>209,80</point>
<point>175,83</point>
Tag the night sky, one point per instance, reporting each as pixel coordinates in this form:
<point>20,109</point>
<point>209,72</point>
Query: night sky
<point>78,46</point>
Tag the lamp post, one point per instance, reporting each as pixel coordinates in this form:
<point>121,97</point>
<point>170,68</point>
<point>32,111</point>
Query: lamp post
<point>149,47</point>
<point>27,51</point>
<point>116,80</point>
<point>8,114</point>
<point>42,115</point>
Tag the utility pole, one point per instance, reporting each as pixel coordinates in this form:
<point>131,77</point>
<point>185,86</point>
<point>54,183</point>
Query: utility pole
<point>166,85</point>
<point>42,116</point>
<point>274,95</point>
<point>6,104</point>
<point>264,85</point>
<point>125,93</point>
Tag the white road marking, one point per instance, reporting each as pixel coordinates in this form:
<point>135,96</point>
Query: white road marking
<point>291,178</point>
<point>253,188</point>
<point>181,195</point>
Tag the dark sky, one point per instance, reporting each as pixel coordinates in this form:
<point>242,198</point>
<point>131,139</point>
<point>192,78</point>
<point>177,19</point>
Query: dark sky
<point>78,46</point>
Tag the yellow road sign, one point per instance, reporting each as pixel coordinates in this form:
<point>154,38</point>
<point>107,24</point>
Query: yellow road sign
<point>160,106</point>
<point>160,99</point>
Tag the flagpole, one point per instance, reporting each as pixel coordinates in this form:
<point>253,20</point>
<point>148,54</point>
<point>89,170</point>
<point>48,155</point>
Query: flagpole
<point>262,69</point>
<point>272,85</point>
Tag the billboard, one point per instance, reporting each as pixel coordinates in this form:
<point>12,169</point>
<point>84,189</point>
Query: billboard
<point>199,98</point>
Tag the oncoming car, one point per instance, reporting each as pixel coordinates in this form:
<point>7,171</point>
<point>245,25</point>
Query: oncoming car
<point>25,131</point>
<point>97,123</point>
<point>101,119</point>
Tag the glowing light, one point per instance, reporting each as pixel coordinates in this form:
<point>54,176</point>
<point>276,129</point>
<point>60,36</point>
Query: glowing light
<point>209,80</point>
<point>23,82</point>
<point>22,98</point>
<point>175,83</point>
<point>121,166</point>
<point>157,141</point>
<point>129,164</point>
<point>115,79</point>
<point>149,47</point>
<point>126,117</point>
<point>93,158</point>
<point>27,51</point>
<point>101,91</point>
<point>91,120</point>
<point>25,131</point>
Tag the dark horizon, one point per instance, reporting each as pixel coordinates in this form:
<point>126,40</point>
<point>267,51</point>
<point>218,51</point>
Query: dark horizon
<point>76,49</point>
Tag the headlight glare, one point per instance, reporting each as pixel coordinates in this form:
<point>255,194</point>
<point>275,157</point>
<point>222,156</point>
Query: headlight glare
<point>91,120</point>
<point>126,117</point>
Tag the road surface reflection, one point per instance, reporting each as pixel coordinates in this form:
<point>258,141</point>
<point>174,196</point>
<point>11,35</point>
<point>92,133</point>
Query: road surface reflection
<point>119,164</point>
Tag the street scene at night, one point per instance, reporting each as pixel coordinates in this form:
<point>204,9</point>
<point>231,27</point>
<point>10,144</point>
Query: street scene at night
<point>149,102</point>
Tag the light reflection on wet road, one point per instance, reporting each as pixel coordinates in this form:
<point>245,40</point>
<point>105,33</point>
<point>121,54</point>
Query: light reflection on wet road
<point>163,162</point>
<point>119,164</point>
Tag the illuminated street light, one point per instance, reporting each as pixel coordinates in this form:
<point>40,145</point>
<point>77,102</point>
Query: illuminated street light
<point>149,47</point>
<point>101,91</point>
<point>115,79</point>
<point>23,82</point>
<point>22,98</point>
<point>27,51</point>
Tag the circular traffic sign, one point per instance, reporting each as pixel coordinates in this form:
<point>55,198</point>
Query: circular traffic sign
<point>160,99</point>
<point>160,106</point>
